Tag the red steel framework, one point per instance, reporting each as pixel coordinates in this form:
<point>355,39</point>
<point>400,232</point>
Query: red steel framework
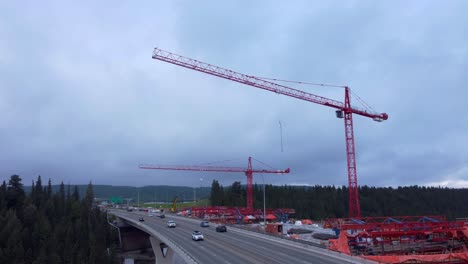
<point>339,222</point>
<point>248,172</point>
<point>226,214</point>
<point>397,239</point>
<point>346,108</point>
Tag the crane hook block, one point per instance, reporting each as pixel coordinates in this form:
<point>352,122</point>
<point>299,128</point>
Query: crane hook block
<point>339,113</point>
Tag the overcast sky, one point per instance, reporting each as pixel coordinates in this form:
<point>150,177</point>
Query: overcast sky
<point>82,100</point>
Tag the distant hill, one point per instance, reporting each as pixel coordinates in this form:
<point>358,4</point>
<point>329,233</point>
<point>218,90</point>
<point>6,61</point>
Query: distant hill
<point>159,193</point>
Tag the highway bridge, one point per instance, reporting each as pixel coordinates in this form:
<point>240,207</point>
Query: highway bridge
<point>175,245</point>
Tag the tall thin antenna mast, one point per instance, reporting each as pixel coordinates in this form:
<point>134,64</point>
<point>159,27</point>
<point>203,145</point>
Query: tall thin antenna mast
<point>281,135</point>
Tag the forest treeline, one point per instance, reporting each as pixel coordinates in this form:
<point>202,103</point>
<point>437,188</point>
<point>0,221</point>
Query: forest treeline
<point>320,202</point>
<point>158,193</point>
<point>43,226</point>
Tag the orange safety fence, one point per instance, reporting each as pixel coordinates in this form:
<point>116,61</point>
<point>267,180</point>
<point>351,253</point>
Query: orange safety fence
<point>340,244</point>
<point>425,258</point>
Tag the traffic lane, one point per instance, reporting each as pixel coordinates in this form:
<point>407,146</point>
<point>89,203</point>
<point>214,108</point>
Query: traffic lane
<point>290,253</point>
<point>249,248</point>
<point>216,251</point>
<point>178,237</point>
<point>238,250</point>
<point>231,253</point>
<point>239,253</point>
<point>199,250</point>
<point>279,252</point>
<point>258,249</point>
<point>269,249</point>
<point>211,249</point>
<point>261,250</point>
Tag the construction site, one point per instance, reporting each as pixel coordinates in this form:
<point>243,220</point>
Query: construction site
<point>383,239</point>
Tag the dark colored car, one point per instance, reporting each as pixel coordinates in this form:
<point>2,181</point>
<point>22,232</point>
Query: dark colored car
<point>205,224</point>
<point>141,219</point>
<point>221,228</point>
<point>162,216</point>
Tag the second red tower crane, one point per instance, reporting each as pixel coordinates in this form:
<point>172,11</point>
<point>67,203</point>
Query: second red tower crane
<point>248,172</point>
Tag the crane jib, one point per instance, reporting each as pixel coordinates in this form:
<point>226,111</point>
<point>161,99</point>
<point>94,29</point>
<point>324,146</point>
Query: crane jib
<point>250,80</point>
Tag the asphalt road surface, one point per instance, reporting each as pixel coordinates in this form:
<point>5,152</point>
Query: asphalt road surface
<point>231,246</point>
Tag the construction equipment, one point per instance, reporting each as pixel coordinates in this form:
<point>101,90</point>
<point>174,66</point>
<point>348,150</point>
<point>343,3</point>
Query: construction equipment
<point>248,172</point>
<point>345,110</point>
<point>174,205</point>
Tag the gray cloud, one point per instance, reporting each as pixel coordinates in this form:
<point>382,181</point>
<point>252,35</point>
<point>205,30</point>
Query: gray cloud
<point>82,100</point>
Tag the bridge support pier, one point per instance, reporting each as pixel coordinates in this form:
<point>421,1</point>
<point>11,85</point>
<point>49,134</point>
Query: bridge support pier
<point>163,254</point>
<point>137,241</point>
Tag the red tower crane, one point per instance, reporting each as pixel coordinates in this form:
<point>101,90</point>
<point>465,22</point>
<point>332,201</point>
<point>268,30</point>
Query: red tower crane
<point>248,172</point>
<point>344,109</point>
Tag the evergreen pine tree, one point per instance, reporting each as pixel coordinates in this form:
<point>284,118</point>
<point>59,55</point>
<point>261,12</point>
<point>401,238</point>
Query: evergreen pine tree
<point>3,193</point>
<point>10,235</point>
<point>76,194</point>
<point>38,193</point>
<point>49,189</point>
<point>15,194</point>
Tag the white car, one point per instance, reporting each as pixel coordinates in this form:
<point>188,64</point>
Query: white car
<point>171,223</point>
<point>197,235</point>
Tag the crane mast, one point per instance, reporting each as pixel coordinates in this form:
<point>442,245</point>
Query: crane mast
<point>344,109</point>
<point>248,172</point>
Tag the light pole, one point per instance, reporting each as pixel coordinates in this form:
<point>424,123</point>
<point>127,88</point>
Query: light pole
<point>264,208</point>
<point>201,183</point>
